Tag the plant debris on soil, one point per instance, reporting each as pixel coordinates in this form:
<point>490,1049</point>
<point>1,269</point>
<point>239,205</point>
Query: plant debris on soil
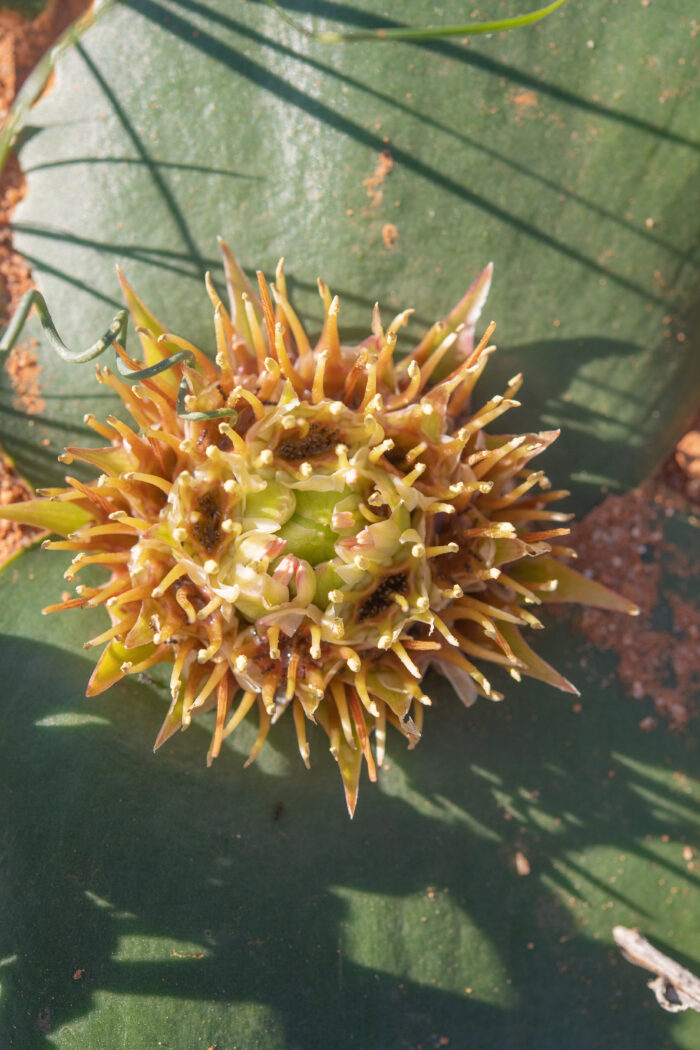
<point>621,542</point>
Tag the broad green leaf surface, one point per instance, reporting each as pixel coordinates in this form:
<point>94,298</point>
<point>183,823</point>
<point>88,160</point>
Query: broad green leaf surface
<point>149,902</point>
<point>566,152</point>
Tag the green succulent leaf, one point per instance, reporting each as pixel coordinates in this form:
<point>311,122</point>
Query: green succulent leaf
<point>147,900</point>
<point>566,152</point>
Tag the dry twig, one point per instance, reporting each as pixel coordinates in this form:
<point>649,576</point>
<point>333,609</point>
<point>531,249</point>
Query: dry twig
<point>675,988</point>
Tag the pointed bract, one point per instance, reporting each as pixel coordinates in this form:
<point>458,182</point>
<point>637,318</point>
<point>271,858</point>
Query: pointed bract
<point>59,516</point>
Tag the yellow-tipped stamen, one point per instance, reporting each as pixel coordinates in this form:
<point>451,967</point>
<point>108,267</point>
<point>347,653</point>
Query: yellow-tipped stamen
<point>134,594</point>
<point>405,659</point>
<point>415,452</point>
<point>421,644</point>
<point>120,528</point>
<point>514,515</point>
<point>317,390</point>
<point>223,329</point>
<point>121,516</point>
<point>434,360</point>
<point>239,445</point>
<point>118,629</point>
<point>351,658</point>
<point>444,548</point>
<point>268,311</point>
<point>180,661</point>
<point>223,705</point>
<point>62,545</point>
<point>292,668</point>
<point>367,514</point>
<point>207,367</point>
<point>545,534</point>
<point>101,595</point>
<point>143,665</point>
<point>268,380</point>
<point>370,386</point>
<point>214,634</point>
<point>378,451</point>
<point>273,637</point>
<point>410,390</point>
<point>265,723</point>
<point>305,361</point>
<point>269,686</point>
<point>191,686</point>
<point>414,689</point>
<point>255,331</point>
<point>315,647</point>
<point>492,410</point>
<point>483,685</point>
<point>515,493</point>
<point>443,629</point>
<point>247,395</point>
<point>519,588</point>
<point>476,353</point>
<point>210,608</point>
<point>300,727</point>
<point>150,479</point>
<point>413,475</point>
<point>284,362</point>
<point>182,599</point>
<point>98,427</point>
<point>129,437</point>
<point>70,603</point>
<point>489,612</point>
<point>341,452</point>
<point>210,685</point>
<point>361,687</point>
<point>497,530</point>
<point>329,337</point>
<point>247,701</point>
<point>103,558</point>
<point>175,574</point>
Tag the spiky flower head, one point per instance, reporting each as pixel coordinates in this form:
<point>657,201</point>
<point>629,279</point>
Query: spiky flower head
<point>312,526</point>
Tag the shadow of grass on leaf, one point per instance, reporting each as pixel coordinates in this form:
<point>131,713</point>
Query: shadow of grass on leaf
<point>187,896</point>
